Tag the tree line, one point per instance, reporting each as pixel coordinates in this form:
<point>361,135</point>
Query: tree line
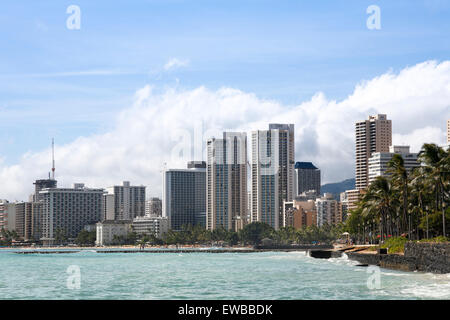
<point>412,204</point>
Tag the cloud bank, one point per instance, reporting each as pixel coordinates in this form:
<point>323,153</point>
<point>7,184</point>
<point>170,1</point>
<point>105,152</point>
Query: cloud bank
<point>167,129</point>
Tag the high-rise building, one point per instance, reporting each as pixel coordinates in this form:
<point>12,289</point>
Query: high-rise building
<point>226,193</point>
<point>108,207</point>
<point>129,201</point>
<point>378,162</point>
<point>67,210</point>
<point>184,196</point>
<point>24,220</point>
<point>7,215</point>
<point>153,207</point>
<point>42,184</point>
<point>307,177</point>
<point>327,210</point>
<point>273,173</point>
<point>372,135</point>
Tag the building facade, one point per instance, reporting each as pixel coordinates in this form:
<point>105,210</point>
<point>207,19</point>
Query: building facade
<point>129,201</point>
<point>67,210</point>
<point>372,135</point>
<point>184,196</point>
<point>273,173</point>
<point>307,178</point>
<point>327,210</point>
<point>378,162</point>
<point>153,207</point>
<point>147,225</point>
<point>300,214</point>
<point>107,230</point>
<point>226,193</point>
<point>24,220</point>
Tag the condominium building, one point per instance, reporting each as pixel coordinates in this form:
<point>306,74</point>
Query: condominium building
<point>129,201</point>
<point>327,210</point>
<point>372,135</point>
<point>147,225</point>
<point>108,207</point>
<point>298,214</point>
<point>184,196</point>
<point>107,230</point>
<point>226,173</point>
<point>68,210</point>
<point>378,162</point>
<point>343,206</point>
<point>7,215</point>
<point>307,177</point>
<point>24,220</point>
<point>352,197</point>
<point>36,220</point>
<point>153,207</point>
<point>273,173</point>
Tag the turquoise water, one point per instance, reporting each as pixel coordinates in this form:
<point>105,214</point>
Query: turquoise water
<point>268,275</point>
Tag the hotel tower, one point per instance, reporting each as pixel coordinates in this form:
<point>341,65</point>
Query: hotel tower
<point>372,135</point>
<point>226,174</point>
<point>273,173</point>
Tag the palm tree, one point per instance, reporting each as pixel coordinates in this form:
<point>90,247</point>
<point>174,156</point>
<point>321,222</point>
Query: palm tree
<point>437,169</point>
<point>378,202</point>
<point>399,180</point>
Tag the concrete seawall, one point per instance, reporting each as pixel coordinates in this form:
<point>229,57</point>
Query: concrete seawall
<point>419,256</point>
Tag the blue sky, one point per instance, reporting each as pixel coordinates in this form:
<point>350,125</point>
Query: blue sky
<point>71,83</point>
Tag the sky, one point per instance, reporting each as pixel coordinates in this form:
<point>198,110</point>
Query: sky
<point>138,78</point>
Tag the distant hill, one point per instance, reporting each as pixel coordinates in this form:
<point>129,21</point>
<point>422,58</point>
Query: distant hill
<point>338,187</point>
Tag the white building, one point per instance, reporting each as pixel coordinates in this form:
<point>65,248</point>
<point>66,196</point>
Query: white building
<point>273,173</point>
<point>150,225</point>
<point>106,230</point>
<point>327,210</point>
<point>7,215</point>
<point>378,162</point>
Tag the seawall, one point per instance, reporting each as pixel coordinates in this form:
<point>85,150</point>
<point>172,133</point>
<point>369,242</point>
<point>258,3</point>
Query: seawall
<point>418,256</point>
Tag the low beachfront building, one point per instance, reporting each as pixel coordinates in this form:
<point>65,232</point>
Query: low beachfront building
<point>150,225</point>
<point>108,229</point>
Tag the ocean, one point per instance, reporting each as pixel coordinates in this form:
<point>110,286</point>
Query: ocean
<point>264,275</point>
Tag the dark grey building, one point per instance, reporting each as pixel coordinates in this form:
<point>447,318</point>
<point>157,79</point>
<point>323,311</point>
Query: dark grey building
<point>307,177</point>
<point>184,196</point>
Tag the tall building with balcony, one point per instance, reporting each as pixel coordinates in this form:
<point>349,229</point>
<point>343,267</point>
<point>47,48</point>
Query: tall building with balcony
<point>129,201</point>
<point>372,135</point>
<point>24,220</point>
<point>7,215</point>
<point>328,210</point>
<point>273,173</point>
<point>68,210</point>
<point>184,196</point>
<point>226,193</point>
<point>307,178</point>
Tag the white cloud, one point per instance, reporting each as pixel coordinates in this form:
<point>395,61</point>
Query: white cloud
<point>175,63</point>
<point>150,132</point>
